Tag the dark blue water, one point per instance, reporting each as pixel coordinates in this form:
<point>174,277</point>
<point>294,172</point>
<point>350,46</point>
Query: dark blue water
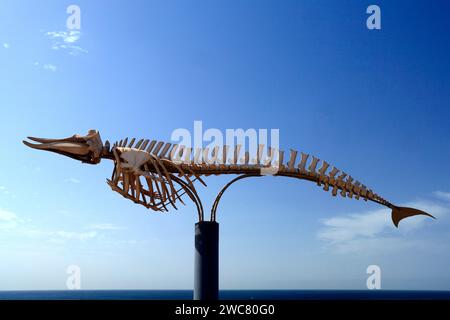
<point>226,295</point>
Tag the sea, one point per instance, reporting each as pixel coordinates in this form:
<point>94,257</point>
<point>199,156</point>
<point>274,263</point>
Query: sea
<point>226,295</point>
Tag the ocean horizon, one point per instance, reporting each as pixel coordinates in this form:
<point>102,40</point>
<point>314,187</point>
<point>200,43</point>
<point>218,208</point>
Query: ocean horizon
<point>226,295</point>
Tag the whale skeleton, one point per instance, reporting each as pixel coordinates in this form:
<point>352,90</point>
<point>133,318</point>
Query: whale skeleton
<point>157,175</point>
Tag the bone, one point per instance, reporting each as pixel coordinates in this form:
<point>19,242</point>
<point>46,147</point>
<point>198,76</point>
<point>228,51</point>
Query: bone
<point>302,164</point>
<point>225,149</point>
<point>172,151</point>
<point>150,147</point>
<point>118,162</point>
<point>323,168</point>
<point>334,191</point>
<point>138,145</point>
<point>349,183</point>
<point>187,156</point>
<point>370,194</point>
<point>270,156</point>
<point>241,161</point>
<point>246,157</point>
<point>215,155</point>
<point>333,172</point>
<point>120,143</point>
<point>205,155</point>
<point>206,158</point>
<point>280,158</point>
<point>363,192</point>
<point>150,185</point>
<point>323,178</point>
<point>357,189</point>
<point>138,188</point>
<point>131,143</point>
<point>158,147</point>
<point>44,140</point>
<point>197,155</point>
<point>313,165</point>
<point>349,186</point>
<point>259,154</point>
<point>125,142</point>
<point>126,182</point>
<point>340,179</point>
<point>144,145</point>
<point>164,151</point>
<point>237,150</point>
<point>176,153</point>
<point>68,147</point>
<point>181,152</point>
<point>291,163</point>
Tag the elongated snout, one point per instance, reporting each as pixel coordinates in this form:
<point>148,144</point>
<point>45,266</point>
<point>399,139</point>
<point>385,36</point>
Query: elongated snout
<point>87,148</point>
<point>58,145</point>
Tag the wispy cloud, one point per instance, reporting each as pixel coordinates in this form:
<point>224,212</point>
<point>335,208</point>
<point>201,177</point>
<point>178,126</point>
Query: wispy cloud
<point>49,67</point>
<point>8,219</point>
<point>73,180</point>
<point>4,191</point>
<point>65,40</point>
<point>104,226</point>
<point>72,49</point>
<point>367,230</point>
<point>129,242</point>
<point>81,236</point>
<point>346,228</point>
<point>65,36</point>
<point>6,45</point>
<point>442,195</point>
<point>7,216</point>
<point>12,224</point>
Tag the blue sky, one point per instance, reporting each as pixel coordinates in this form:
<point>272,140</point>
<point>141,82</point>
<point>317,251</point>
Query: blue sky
<point>373,102</point>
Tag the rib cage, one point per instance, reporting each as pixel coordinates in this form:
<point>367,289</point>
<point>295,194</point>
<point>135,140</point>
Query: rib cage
<point>157,174</point>
<point>161,187</point>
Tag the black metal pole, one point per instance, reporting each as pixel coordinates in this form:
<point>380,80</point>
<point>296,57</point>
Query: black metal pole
<point>206,277</point>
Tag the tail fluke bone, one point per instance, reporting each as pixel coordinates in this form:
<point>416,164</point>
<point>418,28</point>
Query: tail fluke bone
<point>400,213</point>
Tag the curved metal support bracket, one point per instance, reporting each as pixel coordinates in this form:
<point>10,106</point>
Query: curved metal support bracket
<point>193,195</point>
<point>219,195</point>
